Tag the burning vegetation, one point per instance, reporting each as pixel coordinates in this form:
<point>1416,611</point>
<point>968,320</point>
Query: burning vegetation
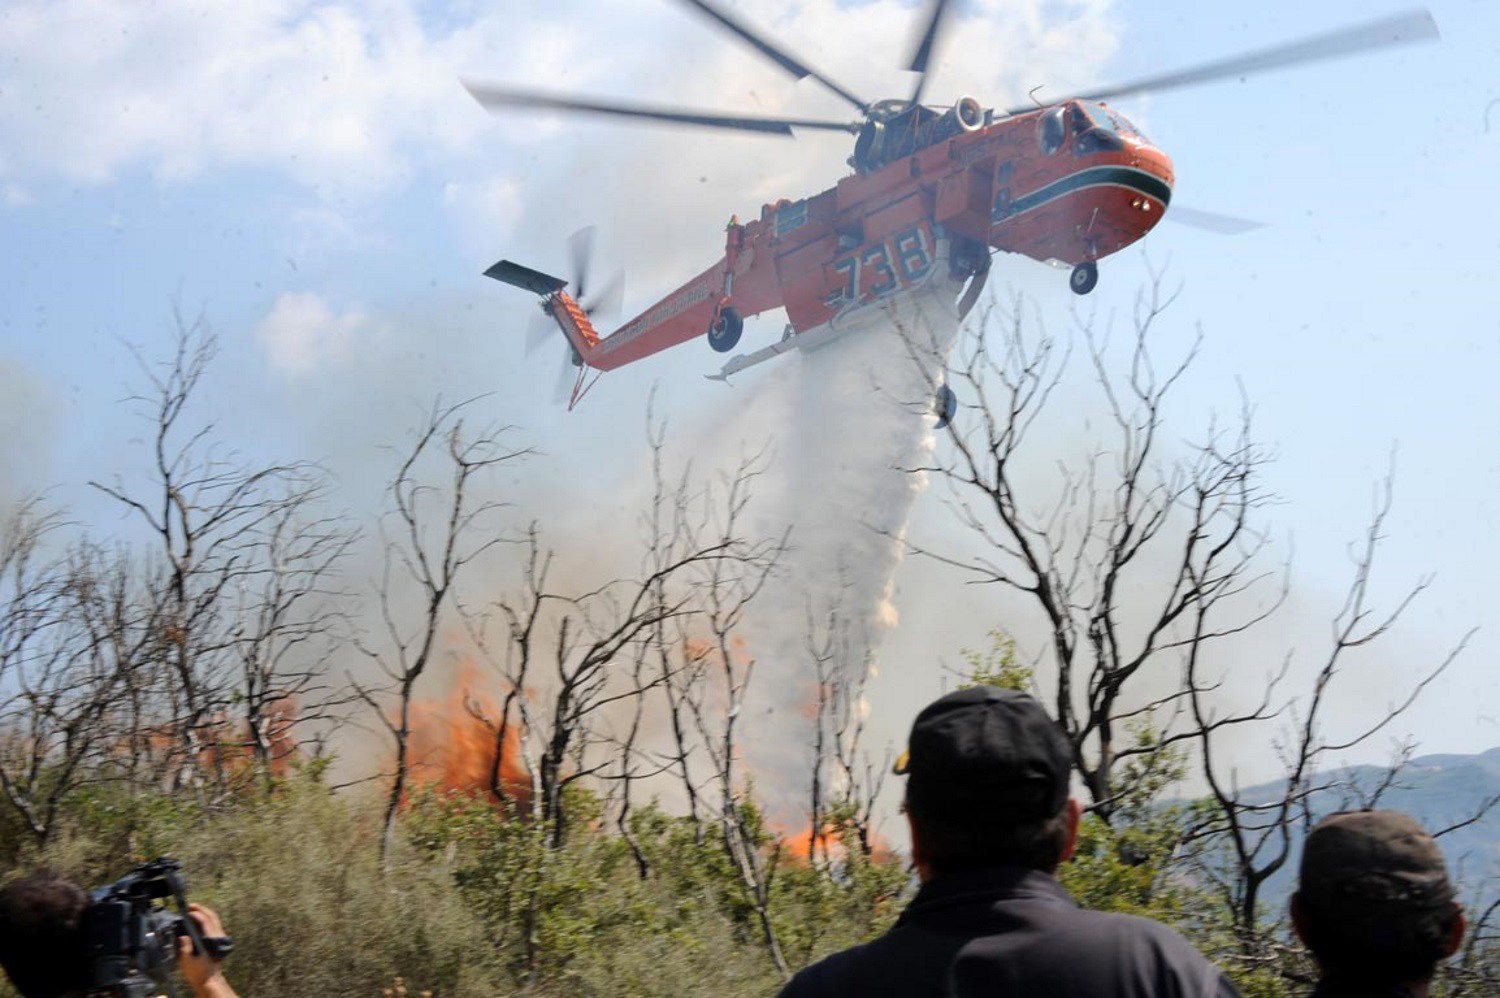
<point>459,745</point>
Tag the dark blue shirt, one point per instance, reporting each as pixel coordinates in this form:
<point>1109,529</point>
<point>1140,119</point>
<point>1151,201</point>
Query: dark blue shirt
<point>1013,932</point>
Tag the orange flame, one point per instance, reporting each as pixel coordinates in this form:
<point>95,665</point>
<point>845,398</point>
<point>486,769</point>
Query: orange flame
<point>225,746</point>
<point>800,845</point>
<point>456,744</point>
<point>831,844</point>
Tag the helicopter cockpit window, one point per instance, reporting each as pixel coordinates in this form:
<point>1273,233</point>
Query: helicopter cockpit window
<point>1053,130</point>
<point>1094,116</point>
<point>1097,130</point>
<point>1099,140</point>
<point>1124,125</point>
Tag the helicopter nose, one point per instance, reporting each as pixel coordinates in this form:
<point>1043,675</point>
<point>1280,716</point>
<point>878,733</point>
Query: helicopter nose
<point>1148,182</point>
<point>1153,161</point>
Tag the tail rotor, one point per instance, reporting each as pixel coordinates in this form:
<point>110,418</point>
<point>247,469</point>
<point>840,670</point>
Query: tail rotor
<point>605,302</point>
<point>601,302</point>
<point>562,310</point>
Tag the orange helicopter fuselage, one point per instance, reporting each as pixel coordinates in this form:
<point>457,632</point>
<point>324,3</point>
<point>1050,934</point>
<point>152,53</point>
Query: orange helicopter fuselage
<point>1071,183</point>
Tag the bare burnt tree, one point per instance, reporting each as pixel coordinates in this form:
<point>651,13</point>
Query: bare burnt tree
<point>1250,840</point>
<point>681,654</point>
<point>579,662</point>
<point>288,622</point>
<point>659,660</point>
<point>1120,545</point>
<point>116,627</point>
<point>77,647</point>
<point>47,709</point>
<point>587,658</point>
<point>208,515</point>
<point>682,515</point>
<point>716,674</point>
<point>433,535</point>
<point>845,780</point>
<point>631,765</point>
<point>514,654</point>
<point>1142,557</point>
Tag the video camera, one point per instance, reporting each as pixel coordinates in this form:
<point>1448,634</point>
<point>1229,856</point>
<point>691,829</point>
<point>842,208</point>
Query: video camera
<point>132,935</point>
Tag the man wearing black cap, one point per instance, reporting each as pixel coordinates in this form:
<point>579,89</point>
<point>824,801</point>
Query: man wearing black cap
<point>987,799</point>
<point>1375,906</point>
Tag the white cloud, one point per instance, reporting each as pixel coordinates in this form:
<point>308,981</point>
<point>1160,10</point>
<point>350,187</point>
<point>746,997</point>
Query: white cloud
<point>482,207</point>
<point>354,98</point>
<point>345,94</point>
<point>14,196</point>
<point>353,94</point>
<point>302,333</point>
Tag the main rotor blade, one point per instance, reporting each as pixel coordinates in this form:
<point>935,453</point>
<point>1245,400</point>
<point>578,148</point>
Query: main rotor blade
<point>497,97</point>
<point>776,54</point>
<point>923,53</point>
<point>1210,221</point>
<point>1401,29</point>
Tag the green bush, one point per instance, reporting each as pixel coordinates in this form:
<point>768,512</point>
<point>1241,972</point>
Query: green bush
<point>297,881</point>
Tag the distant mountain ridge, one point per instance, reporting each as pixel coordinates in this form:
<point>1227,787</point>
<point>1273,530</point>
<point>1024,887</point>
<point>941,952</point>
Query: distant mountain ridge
<point>1440,791</point>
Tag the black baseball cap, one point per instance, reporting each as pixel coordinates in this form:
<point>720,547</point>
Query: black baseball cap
<point>1373,862</point>
<point>986,752</point>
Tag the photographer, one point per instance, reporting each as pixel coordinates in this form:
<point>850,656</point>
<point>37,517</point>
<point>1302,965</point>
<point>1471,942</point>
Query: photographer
<point>45,946</point>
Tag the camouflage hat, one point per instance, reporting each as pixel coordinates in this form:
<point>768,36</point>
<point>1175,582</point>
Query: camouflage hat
<point>1373,861</point>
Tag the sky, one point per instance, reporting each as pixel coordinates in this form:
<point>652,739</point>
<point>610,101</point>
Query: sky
<point>313,180</point>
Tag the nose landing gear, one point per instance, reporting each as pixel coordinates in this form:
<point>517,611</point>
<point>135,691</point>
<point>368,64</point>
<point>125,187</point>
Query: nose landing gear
<point>1084,277</point>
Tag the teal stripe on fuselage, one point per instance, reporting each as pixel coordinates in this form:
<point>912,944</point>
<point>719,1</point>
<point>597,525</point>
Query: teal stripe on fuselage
<point>1095,176</point>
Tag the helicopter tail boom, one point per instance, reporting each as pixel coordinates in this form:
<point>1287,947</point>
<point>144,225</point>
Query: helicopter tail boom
<point>565,311</point>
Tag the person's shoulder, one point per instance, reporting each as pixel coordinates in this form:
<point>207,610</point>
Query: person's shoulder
<point>1128,927</point>
<point>895,962</point>
<point>1144,941</point>
<point>826,977</point>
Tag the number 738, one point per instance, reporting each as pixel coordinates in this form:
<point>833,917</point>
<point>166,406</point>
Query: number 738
<point>870,272</point>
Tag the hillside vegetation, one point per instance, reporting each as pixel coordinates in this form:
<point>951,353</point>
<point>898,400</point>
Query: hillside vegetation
<point>579,816</point>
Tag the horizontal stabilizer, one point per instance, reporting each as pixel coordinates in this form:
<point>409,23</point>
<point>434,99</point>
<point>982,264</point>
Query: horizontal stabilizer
<point>525,278</point>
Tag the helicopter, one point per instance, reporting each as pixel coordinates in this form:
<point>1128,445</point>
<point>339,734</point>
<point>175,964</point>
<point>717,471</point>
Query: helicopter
<point>934,192</point>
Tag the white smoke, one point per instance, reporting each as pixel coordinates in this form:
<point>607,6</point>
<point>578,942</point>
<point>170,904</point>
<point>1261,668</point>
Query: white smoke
<point>859,418</point>
<point>27,432</point>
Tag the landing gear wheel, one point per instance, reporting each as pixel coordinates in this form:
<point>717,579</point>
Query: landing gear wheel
<point>1085,276</point>
<point>944,405</point>
<point>725,331</point>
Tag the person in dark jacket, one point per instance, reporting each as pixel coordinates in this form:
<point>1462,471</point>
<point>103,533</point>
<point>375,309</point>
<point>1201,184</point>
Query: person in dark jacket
<point>1375,906</point>
<point>991,819</point>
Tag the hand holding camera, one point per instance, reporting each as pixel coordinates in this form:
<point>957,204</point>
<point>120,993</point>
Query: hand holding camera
<point>134,939</point>
<point>200,966</point>
<point>122,940</point>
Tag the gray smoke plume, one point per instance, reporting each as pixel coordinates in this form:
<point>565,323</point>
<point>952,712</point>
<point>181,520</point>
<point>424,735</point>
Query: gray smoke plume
<point>859,417</point>
<point>27,434</point>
